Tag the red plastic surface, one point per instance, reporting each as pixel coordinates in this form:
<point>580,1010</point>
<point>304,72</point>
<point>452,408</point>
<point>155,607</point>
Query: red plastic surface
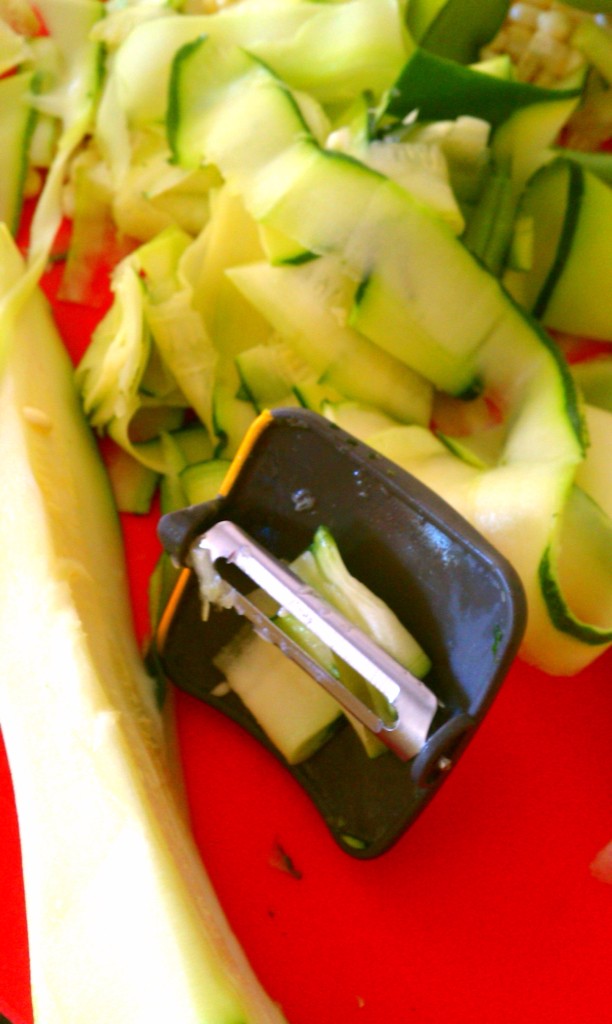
<point>484,913</point>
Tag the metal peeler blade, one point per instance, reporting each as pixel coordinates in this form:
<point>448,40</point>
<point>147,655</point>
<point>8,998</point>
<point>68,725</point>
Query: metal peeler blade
<point>454,592</point>
<point>412,705</point>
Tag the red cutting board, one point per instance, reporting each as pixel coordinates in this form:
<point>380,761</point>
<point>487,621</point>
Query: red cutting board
<point>485,912</point>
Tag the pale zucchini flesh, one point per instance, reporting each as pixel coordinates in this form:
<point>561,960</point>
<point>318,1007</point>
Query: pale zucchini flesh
<point>295,713</point>
<point>123,924</point>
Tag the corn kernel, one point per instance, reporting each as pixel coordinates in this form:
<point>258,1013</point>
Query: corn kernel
<point>537,36</point>
<point>548,47</point>
<point>518,38</point>
<point>555,24</point>
<point>529,67</point>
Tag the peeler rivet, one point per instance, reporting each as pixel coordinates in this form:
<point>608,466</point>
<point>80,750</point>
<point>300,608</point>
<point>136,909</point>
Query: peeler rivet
<point>444,764</point>
<point>303,500</point>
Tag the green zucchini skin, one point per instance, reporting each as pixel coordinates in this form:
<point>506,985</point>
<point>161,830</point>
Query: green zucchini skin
<point>440,88</point>
<point>575,195</point>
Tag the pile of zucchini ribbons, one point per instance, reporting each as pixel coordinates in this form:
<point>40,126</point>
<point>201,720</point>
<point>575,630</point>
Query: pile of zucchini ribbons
<point>326,204</point>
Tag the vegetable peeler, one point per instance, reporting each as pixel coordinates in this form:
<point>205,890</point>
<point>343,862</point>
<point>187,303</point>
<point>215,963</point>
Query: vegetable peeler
<point>455,593</point>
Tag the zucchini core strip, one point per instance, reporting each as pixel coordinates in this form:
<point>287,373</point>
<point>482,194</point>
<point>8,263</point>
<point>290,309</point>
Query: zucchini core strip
<point>411,705</point>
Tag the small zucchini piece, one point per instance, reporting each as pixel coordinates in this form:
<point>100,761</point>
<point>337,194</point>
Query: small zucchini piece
<point>296,714</point>
<point>567,286</point>
<point>17,119</point>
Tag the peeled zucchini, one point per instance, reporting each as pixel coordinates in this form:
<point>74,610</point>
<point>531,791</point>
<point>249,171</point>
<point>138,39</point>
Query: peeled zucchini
<point>123,924</point>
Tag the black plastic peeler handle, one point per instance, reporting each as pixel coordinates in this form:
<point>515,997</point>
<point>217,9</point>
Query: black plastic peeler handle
<point>450,587</point>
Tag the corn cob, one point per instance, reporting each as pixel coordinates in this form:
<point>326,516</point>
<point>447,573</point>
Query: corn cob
<point>538,38</point>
